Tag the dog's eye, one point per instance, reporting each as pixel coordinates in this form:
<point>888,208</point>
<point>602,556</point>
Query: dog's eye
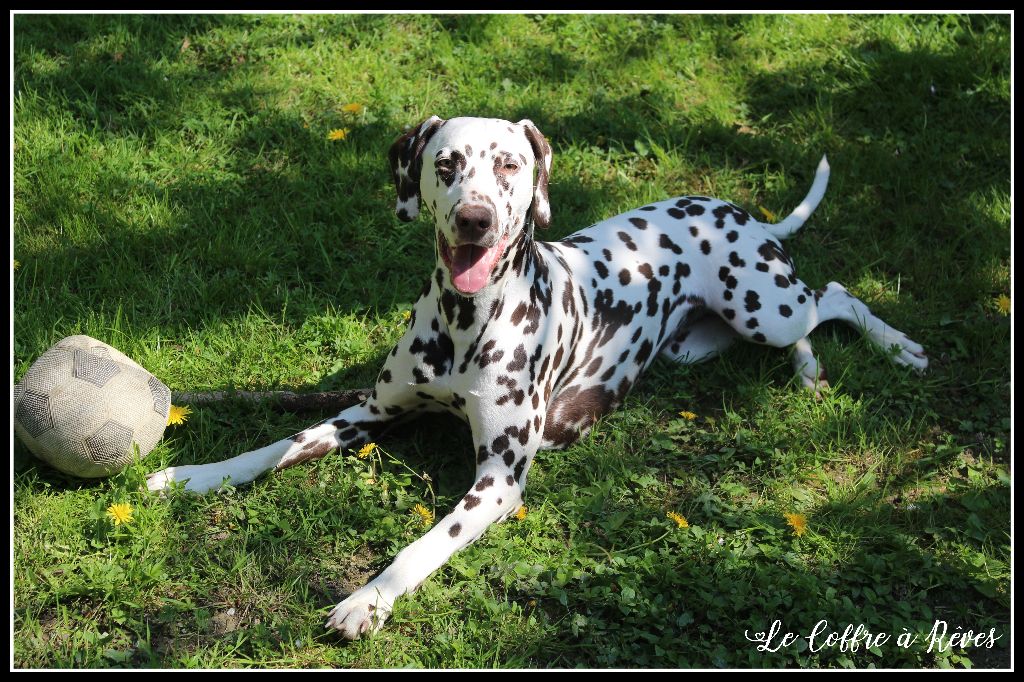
<point>510,167</point>
<point>444,165</point>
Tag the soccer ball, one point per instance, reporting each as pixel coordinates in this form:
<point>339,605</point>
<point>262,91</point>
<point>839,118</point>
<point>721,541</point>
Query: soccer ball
<point>83,403</point>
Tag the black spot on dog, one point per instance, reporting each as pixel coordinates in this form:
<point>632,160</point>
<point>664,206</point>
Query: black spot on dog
<point>736,261</point>
<point>759,337</point>
<point>781,282</point>
<point>602,269</point>
<point>437,353</point>
<point>653,287</point>
<point>627,240</point>
<point>732,236</point>
<point>785,310</point>
<point>518,359</point>
<point>484,483</point>
<point>624,276</point>
<point>666,243</point>
<point>752,323</point>
<point>752,301</point>
<point>645,270</point>
<point>518,471</point>
<point>471,501</point>
<point>316,449</point>
<point>645,352</point>
<point>705,247</point>
<point>728,313</point>
<point>639,223</point>
<point>677,213</point>
<point>455,529</point>
<point>761,267</point>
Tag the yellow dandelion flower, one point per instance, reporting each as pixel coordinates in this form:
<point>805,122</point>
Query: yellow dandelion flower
<point>366,450</point>
<point>353,108</point>
<point>767,214</point>
<point>688,415</point>
<point>679,519</point>
<point>406,314</point>
<point>178,415</point>
<point>338,134</point>
<point>425,514</point>
<point>798,522</point>
<point>16,264</point>
<point>521,514</point>
<point>120,513</point>
<point>1003,304</point>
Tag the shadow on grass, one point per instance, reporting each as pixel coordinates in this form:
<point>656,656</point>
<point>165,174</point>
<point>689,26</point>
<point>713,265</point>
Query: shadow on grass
<point>330,214</point>
<point>688,602</point>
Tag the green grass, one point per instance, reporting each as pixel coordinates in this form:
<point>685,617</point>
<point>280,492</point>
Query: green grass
<point>176,196</point>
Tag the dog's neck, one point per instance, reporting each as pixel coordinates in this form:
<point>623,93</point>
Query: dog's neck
<point>520,273</point>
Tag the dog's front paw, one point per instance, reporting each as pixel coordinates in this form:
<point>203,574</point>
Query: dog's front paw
<point>364,611</point>
<point>197,477</point>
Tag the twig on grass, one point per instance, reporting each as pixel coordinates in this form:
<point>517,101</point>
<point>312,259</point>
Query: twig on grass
<point>285,401</point>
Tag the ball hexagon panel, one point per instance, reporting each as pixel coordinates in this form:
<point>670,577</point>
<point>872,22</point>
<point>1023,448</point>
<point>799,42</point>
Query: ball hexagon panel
<point>111,444</point>
<point>33,411</point>
<point>94,369</point>
<point>161,398</point>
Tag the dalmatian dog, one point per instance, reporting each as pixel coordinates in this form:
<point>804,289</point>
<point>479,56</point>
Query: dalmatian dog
<point>530,342</point>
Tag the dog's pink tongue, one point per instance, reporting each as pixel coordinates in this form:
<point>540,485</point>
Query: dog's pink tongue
<point>471,266</point>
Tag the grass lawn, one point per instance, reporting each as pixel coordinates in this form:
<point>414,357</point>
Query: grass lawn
<point>177,196</point>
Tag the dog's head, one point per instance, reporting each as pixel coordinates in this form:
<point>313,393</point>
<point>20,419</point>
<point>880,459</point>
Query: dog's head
<point>475,178</point>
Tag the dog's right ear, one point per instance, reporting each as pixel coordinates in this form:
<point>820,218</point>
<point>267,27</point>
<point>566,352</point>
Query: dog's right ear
<point>406,161</point>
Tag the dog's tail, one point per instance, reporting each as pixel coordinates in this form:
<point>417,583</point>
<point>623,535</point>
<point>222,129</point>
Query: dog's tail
<point>795,219</point>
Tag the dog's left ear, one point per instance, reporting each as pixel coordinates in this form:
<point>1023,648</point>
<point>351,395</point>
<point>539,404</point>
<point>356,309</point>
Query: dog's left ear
<point>542,154</point>
<point>406,159</point>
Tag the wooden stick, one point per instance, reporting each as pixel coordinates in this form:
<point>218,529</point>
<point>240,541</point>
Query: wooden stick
<point>285,401</point>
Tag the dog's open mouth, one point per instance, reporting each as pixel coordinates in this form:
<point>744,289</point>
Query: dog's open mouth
<point>470,264</point>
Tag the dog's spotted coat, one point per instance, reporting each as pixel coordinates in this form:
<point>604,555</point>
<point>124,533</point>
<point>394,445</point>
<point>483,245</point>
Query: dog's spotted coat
<point>531,341</point>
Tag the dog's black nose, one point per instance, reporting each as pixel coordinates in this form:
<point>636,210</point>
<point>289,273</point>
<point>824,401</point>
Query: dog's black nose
<point>472,222</point>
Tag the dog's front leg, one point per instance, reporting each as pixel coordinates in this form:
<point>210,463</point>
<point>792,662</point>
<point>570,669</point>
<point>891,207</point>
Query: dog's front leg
<point>351,427</point>
<point>496,493</point>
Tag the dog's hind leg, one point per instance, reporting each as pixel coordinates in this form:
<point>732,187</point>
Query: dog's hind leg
<point>700,341</point>
<point>784,315</point>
